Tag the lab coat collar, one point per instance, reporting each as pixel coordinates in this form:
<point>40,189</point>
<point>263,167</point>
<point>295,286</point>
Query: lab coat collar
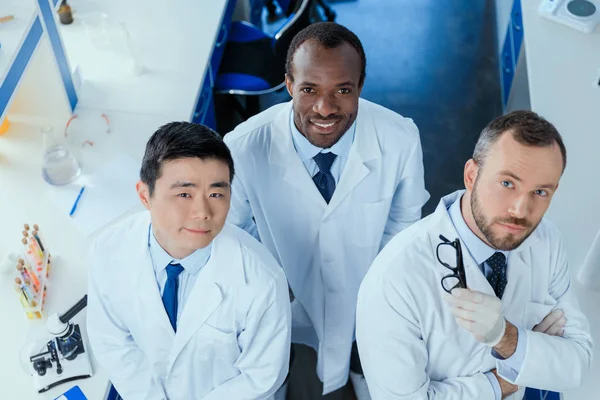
<point>365,148</point>
<point>139,263</point>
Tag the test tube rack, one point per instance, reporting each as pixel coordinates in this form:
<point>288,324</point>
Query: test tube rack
<point>32,272</point>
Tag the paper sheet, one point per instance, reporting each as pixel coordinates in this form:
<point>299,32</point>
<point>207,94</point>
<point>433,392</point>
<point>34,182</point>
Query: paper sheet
<point>108,194</point>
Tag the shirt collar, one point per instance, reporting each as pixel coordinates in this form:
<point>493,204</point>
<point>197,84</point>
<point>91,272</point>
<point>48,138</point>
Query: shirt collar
<point>192,264</point>
<point>479,250</point>
<point>307,150</point>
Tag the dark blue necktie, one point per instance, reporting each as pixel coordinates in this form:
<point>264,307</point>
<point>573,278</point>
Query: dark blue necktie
<point>323,179</point>
<point>497,278</point>
<point>169,296</point>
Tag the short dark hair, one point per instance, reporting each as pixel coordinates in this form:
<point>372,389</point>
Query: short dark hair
<point>177,140</point>
<point>329,35</point>
<point>527,128</point>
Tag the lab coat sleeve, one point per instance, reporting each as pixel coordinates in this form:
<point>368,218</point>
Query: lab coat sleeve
<point>113,346</point>
<point>394,355</point>
<point>410,195</point>
<point>240,212</point>
<point>264,345</point>
<point>553,362</point>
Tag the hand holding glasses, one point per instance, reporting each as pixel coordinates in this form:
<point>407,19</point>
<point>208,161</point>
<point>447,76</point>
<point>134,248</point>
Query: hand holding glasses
<point>458,278</point>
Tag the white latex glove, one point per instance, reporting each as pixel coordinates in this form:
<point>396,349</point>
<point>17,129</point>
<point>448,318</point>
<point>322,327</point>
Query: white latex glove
<point>479,314</point>
<point>552,324</point>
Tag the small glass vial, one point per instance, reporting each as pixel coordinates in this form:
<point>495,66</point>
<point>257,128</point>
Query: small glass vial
<point>59,166</point>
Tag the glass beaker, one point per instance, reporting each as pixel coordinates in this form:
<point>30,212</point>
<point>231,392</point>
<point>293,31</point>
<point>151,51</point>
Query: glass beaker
<point>59,166</point>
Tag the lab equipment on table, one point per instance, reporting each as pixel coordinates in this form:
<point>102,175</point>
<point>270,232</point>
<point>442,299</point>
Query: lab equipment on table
<point>65,14</point>
<point>63,358</point>
<point>59,166</point>
<point>32,271</point>
<point>458,277</point>
<point>583,15</point>
<point>87,129</point>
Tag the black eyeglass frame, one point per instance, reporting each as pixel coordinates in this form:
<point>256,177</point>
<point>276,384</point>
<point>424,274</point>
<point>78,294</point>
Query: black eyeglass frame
<point>458,272</point>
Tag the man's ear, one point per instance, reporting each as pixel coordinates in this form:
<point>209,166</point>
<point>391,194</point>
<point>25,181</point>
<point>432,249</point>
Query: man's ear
<point>470,174</point>
<point>289,84</point>
<point>143,192</point>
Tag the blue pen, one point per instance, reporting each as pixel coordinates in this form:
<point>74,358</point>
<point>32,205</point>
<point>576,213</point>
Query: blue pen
<point>76,202</point>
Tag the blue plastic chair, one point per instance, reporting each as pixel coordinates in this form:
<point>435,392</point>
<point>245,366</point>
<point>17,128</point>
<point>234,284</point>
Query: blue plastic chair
<point>287,8</point>
<point>253,62</point>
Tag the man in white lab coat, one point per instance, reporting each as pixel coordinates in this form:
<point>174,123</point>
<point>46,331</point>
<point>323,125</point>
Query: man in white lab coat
<point>324,181</point>
<point>183,306</point>
<point>518,323</point>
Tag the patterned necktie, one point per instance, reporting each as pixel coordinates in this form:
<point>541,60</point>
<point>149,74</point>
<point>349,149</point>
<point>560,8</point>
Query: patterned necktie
<point>497,278</point>
<point>169,296</point>
<point>323,179</point>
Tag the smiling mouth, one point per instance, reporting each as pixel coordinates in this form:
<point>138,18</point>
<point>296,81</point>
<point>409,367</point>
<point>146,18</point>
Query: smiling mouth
<point>325,125</point>
<point>196,231</point>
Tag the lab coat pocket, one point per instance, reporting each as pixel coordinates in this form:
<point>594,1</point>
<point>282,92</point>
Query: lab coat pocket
<point>535,313</point>
<point>220,351</point>
<point>222,344</point>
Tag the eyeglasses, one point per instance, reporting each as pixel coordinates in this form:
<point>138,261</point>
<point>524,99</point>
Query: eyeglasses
<point>458,278</point>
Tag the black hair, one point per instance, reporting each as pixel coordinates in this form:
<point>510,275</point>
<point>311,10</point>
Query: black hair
<point>526,127</point>
<point>329,35</point>
<point>177,140</point>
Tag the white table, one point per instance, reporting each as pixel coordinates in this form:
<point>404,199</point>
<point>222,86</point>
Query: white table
<point>172,42</point>
<point>26,200</point>
<point>563,68</point>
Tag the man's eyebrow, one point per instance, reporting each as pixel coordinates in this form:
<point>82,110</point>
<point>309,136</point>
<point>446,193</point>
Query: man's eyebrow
<point>512,175</point>
<point>183,184</point>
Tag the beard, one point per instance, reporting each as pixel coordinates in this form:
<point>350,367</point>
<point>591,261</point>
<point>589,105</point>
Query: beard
<point>509,241</point>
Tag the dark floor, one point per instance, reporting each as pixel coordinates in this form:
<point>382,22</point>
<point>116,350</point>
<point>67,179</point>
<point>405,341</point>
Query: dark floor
<point>435,62</point>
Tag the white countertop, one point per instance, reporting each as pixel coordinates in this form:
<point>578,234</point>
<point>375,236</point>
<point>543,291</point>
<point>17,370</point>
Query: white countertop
<point>563,68</point>
<point>172,42</point>
<point>26,199</point>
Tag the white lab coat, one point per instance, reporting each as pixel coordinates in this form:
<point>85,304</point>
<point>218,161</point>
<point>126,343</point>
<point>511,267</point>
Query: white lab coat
<point>410,344</point>
<point>233,336</point>
<point>326,249</point>
<point>589,274</point>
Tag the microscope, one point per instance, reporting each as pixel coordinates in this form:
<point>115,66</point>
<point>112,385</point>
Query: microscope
<point>64,358</point>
